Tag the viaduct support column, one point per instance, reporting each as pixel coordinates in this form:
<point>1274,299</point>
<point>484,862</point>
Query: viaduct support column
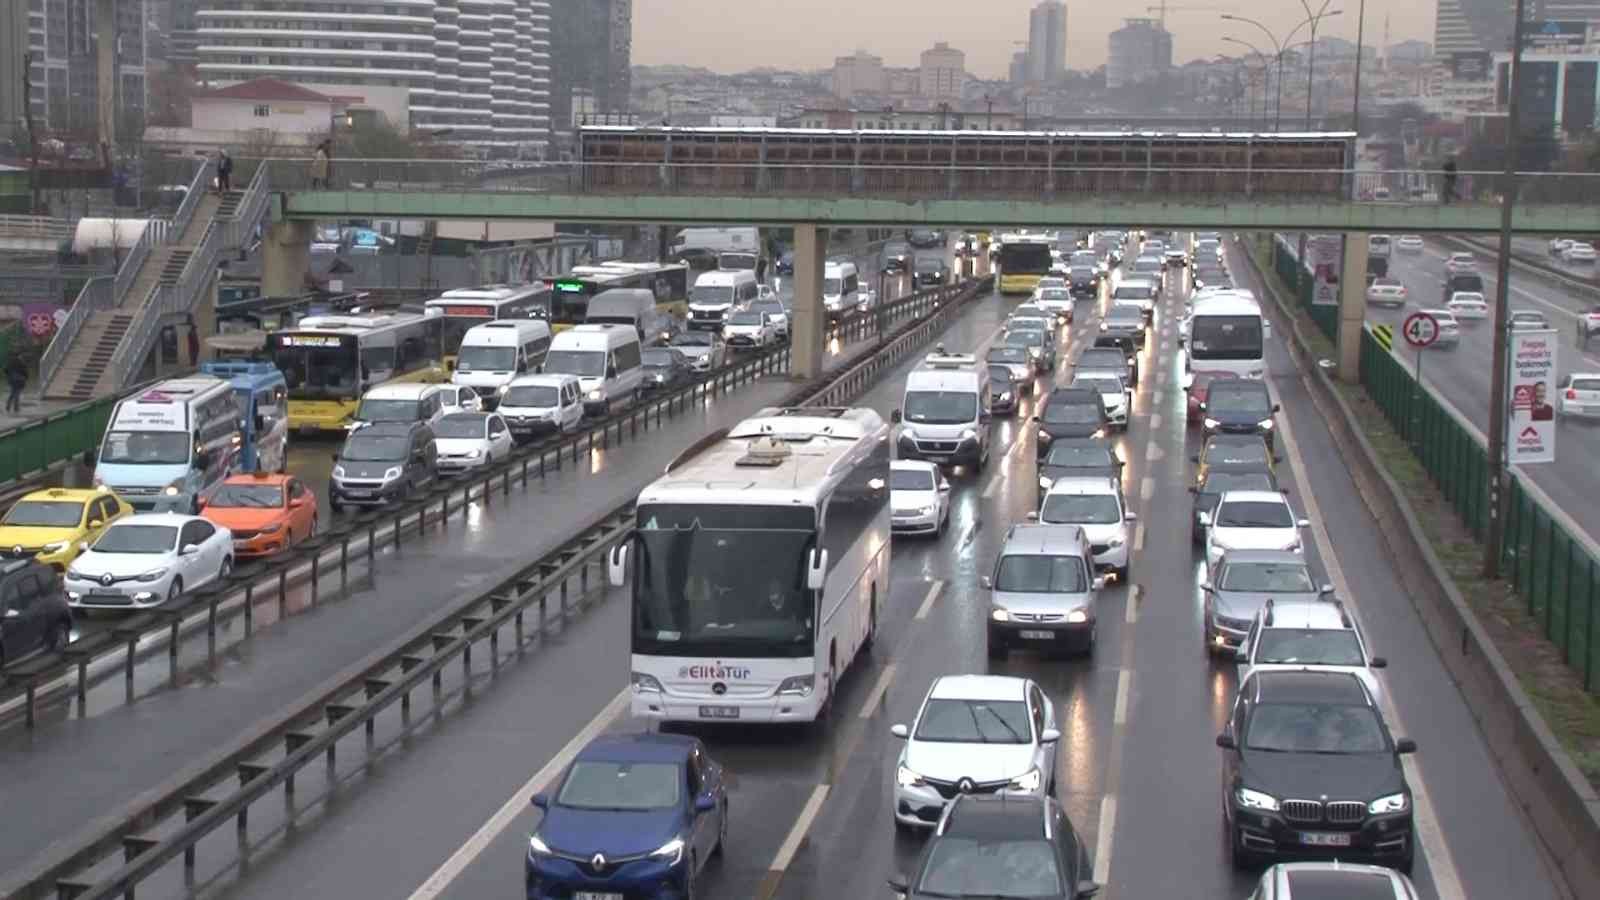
<point>105,27</point>
<point>810,330</point>
<point>1352,306</point>
<point>286,258</point>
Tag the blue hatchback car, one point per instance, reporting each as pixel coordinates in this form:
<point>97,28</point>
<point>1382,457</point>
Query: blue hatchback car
<point>635,816</point>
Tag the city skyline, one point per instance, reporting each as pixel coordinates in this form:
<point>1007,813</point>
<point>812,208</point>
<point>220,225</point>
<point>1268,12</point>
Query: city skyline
<point>748,36</point>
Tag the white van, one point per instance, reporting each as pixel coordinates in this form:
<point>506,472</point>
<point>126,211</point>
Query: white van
<point>944,416</point>
<point>715,294</point>
<point>172,445</point>
<point>606,360</point>
<point>407,401</point>
<point>841,288</point>
<point>632,306</point>
<point>537,405</point>
<point>494,353</point>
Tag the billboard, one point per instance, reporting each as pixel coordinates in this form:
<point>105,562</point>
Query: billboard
<point>1555,35</point>
<point>1536,95</point>
<point>1325,253</point>
<point>1474,66</point>
<point>1578,97</point>
<point>1530,410</point>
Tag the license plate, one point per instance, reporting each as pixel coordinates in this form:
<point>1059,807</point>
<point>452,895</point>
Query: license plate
<point>1038,635</point>
<point>1325,839</point>
<point>595,895</point>
<point>719,712</point>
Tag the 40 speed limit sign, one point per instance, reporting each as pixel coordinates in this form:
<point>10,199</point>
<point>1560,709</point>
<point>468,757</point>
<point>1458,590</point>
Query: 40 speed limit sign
<point>1420,329</point>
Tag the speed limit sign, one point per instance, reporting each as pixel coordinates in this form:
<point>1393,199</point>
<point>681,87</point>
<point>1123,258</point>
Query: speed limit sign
<point>1420,329</point>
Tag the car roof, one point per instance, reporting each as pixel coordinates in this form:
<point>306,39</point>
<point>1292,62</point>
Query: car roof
<point>388,429</point>
<point>1263,556</point>
<point>543,379</point>
<point>65,495</point>
<point>1314,614</point>
<point>644,746</point>
<point>1304,686</point>
<point>997,817</point>
<point>912,465</point>
<point>1085,485</point>
<point>1254,497</point>
<point>978,687</point>
<point>1335,880</point>
<point>1036,539</point>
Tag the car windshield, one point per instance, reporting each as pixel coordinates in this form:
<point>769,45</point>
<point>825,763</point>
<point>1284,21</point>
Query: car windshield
<point>1254,514</point>
<point>138,539</point>
<point>486,359</point>
<point>374,448</point>
<point>1080,509</point>
<point>711,294</point>
<point>1314,728</point>
<point>241,495</point>
<point>1586,384</point>
<point>941,407</point>
<point>1002,375</point>
<point>1025,338</point>
<point>1008,355</point>
<point>972,867</point>
<point>910,480</point>
<point>1229,453</point>
<point>929,264</point>
<point>167,448</point>
<point>746,318</point>
<point>620,786</point>
<point>1309,647</point>
<point>656,358</point>
<point>1266,577</point>
<point>583,363</point>
<point>1385,282</point>
<point>975,722</point>
<point>1251,401</point>
<point>1067,412</point>
<point>1133,292</point>
<point>45,514</point>
<point>462,425</point>
<point>1041,575</point>
<point>1079,456</point>
<point>388,411</point>
<point>1125,314</point>
<point>1055,295</point>
<point>832,287</point>
<point>691,339</point>
<point>1100,385</point>
<point>1102,359</point>
<point>534,395</point>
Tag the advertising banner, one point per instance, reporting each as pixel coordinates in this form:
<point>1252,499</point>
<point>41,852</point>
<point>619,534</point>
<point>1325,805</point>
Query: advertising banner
<point>1325,253</point>
<point>1555,35</point>
<point>1470,66</point>
<point>1531,429</point>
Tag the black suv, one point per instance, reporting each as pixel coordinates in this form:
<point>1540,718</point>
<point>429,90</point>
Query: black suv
<point>1309,769</point>
<point>1002,846</point>
<point>1071,413</point>
<point>383,462</point>
<point>1116,360</point>
<point>929,270</point>
<point>33,610</point>
<point>1239,406</point>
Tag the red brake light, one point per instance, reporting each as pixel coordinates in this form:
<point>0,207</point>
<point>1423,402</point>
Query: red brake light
<point>1572,394</point>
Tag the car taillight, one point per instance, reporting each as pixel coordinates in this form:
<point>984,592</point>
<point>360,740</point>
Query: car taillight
<point>1572,394</point>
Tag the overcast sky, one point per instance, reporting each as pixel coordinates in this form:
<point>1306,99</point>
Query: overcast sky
<point>807,34</point>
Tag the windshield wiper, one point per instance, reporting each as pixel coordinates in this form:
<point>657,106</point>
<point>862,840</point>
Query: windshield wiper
<point>976,725</point>
<point>1004,724</point>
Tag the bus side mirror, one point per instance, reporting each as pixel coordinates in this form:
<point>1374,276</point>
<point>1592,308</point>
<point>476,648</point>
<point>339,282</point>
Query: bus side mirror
<point>817,573</point>
<point>450,365</point>
<point>617,565</point>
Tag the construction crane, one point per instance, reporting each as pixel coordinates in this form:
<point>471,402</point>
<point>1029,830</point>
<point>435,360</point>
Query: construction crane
<point>1163,9</point>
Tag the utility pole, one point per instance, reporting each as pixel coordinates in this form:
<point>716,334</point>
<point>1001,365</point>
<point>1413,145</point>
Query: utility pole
<point>1355,108</point>
<point>1502,272</point>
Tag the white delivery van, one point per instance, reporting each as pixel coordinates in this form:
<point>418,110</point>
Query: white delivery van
<point>494,353</point>
<point>172,445</point>
<point>944,416</point>
<point>538,405</point>
<point>632,306</point>
<point>841,288</point>
<point>406,401</point>
<point>606,360</point>
<point>715,294</point>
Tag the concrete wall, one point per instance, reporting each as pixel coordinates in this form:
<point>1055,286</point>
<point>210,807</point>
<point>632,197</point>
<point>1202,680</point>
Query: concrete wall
<point>284,118</point>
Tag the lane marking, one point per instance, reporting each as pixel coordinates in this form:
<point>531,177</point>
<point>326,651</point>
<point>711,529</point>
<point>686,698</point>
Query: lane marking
<point>1138,539</point>
<point>1429,835</point>
<point>966,536</point>
<point>878,690</point>
<point>1155,422</point>
<point>791,844</point>
<point>1147,488</point>
<point>1152,450</point>
<point>995,481</point>
<point>1155,398</point>
<point>1102,843</point>
<point>520,801</point>
<point>927,602</point>
<point>1124,678</point>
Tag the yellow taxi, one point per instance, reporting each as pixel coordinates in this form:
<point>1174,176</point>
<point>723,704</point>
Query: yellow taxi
<point>52,523</point>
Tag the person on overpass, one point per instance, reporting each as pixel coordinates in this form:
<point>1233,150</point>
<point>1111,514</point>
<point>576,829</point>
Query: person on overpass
<point>1448,194</point>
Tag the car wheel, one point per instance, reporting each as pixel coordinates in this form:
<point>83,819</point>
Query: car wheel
<point>722,833</point>
<point>316,526</point>
<point>997,651</point>
<point>60,636</point>
<point>226,569</point>
<point>1122,574</point>
<point>1408,862</point>
<point>175,590</point>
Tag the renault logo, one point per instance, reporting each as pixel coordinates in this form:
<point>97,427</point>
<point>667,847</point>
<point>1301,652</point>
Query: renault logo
<point>719,688</point>
<point>106,578</point>
<point>598,861</point>
<point>965,785</point>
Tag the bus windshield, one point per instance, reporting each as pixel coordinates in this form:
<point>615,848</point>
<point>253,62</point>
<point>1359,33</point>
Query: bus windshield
<point>454,328</point>
<point>696,594</point>
<point>1027,258</point>
<point>583,363</point>
<point>1225,337</point>
<point>324,370</point>
<point>486,359</point>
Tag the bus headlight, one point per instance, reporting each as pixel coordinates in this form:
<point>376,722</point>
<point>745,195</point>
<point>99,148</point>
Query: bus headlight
<point>643,683</point>
<point>797,686</point>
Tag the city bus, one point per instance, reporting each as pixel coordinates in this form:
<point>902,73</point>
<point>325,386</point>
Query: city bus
<point>1023,260</point>
<point>261,393</point>
<point>330,361</point>
<point>570,294</point>
<point>1226,333</point>
<point>715,638</point>
<point>464,308</point>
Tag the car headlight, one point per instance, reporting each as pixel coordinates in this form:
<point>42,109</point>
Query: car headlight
<point>969,434</point>
<point>999,615</point>
<point>906,778</point>
<point>502,389</point>
<point>1044,436</point>
<point>537,846</point>
<point>1391,804</point>
<point>797,685</point>
<point>338,471</point>
<point>643,683</point>
<point>596,395</point>
<point>661,378</point>
<point>671,852</point>
<point>1212,423</point>
<point>1078,616</point>
<point>274,528</point>
<point>1045,482</point>
<point>1250,799</point>
<point>391,473</point>
<point>930,509</point>
<point>172,489</point>
<point>55,547</point>
<point>1115,542</point>
<point>474,453</point>
<point>73,572</point>
<point>1104,327</point>
<point>1264,424</point>
<point>152,575</point>
<point>1029,781</point>
<point>1033,351</point>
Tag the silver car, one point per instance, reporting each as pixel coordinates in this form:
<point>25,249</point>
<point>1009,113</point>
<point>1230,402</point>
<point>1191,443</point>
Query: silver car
<point>1308,635</point>
<point>1244,581</point>
<point>1044,591</point>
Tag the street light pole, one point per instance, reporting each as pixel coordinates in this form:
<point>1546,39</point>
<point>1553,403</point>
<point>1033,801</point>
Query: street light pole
<point>1502,271</point>
<point>1355,108</point>
<point>1311,59</point>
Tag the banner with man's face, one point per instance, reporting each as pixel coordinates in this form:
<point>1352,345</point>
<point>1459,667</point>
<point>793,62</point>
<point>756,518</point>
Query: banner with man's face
<point>1531,414</point>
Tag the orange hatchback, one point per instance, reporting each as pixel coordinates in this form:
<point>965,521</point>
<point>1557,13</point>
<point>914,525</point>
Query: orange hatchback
<point>267,512</point>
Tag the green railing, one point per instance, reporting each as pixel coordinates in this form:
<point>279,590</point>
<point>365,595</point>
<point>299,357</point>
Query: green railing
<point>41,443</point>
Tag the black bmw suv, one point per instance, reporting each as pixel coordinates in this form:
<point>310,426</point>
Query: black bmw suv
<point>995,845</point>
<point>1309,770</point>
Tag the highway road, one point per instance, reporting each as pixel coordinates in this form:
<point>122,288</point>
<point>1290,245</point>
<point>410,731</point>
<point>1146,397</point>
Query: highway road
<point>1463,375</point>
<point>442,812</point>
<point>74,767</point>
<point>1537,248</point>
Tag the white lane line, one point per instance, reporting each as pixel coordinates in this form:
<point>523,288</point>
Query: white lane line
<point>966,536</point>
<point>1134,597</point>
<point>1102,843</point>
<point>520,801</point>
<point>1155,398</point>
<point>927,602</point>
<point>1124,678</point>
<point>878,690</point>
<point>1430,837</point>
<point>1138,538</point>
<point>791,844</point>
<point>1155,422</point>
<point>995,481</point>
<point>1147,488</point>
<point>1153,451</point>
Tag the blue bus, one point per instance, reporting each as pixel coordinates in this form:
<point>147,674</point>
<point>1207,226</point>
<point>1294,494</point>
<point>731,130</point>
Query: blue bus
<point>263,399</point>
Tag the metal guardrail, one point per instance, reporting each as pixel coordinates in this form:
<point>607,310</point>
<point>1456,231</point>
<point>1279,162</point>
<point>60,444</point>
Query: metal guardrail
<point>391,676</point>
<point>12,226</point>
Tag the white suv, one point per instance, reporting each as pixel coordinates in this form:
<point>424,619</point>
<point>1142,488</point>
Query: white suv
<point>1252,520</point>
<point>1095,505</point>
<point>1300,635</point>
<point>974,734</point>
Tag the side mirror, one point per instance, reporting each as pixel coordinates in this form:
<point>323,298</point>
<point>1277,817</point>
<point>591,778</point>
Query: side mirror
<point>1202,406</point>
<point>1225,741</point>
<point>617,565</point>
<point>450,366</point>
<point>1207,586</point>
<point>1378,662</point>
<point>944,487</point>
<point>1277,407</point>
<point>95,523</point>
<point>1327,589</point>
<point>1049,736</point>
<point>817,574</point>
<point>1241,655</point>
<point>541,800</point>
<point>1205,518</point>
<point>298,502</point>
<point>189,549</point>
<point>986,582</point>
<point>1086,889</point>
<point>611,371</point>
<point>895,416</point>
<point>900,731</point>
<point>1405,745</point>
<point>1131,517</point>
<point>1304,523</point>
<point>1033,516</point>
<point>705,803</point>
<point>899,884</point>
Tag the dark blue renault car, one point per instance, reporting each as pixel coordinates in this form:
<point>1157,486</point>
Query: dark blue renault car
<point>635,816</point>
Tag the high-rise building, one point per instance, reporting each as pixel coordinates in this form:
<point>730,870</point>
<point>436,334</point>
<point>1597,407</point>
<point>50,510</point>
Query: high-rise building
<point>63,37</point>
<point>591,58</point>
<point>1484,26</point>
<point>943,72</point>
<point>1018,72</point>
<point>1140,49</point>
<point>13,62</point>
<point>859,73</point>
<point>1047,42</point>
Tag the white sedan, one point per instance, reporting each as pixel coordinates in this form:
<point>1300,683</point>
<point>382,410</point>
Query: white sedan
<point>1449,328</point>
<point>144,561</point>
<point>1580,394</point>
<point>1252,520</point>
<point>1386,292</point>
<point>1459,264</point>
<point>1468,305</point>
<point>1578,252</point>
<point>749,330</point>
<point>1409,243</point>
<point>467,440</point>
<point>919,496</point>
